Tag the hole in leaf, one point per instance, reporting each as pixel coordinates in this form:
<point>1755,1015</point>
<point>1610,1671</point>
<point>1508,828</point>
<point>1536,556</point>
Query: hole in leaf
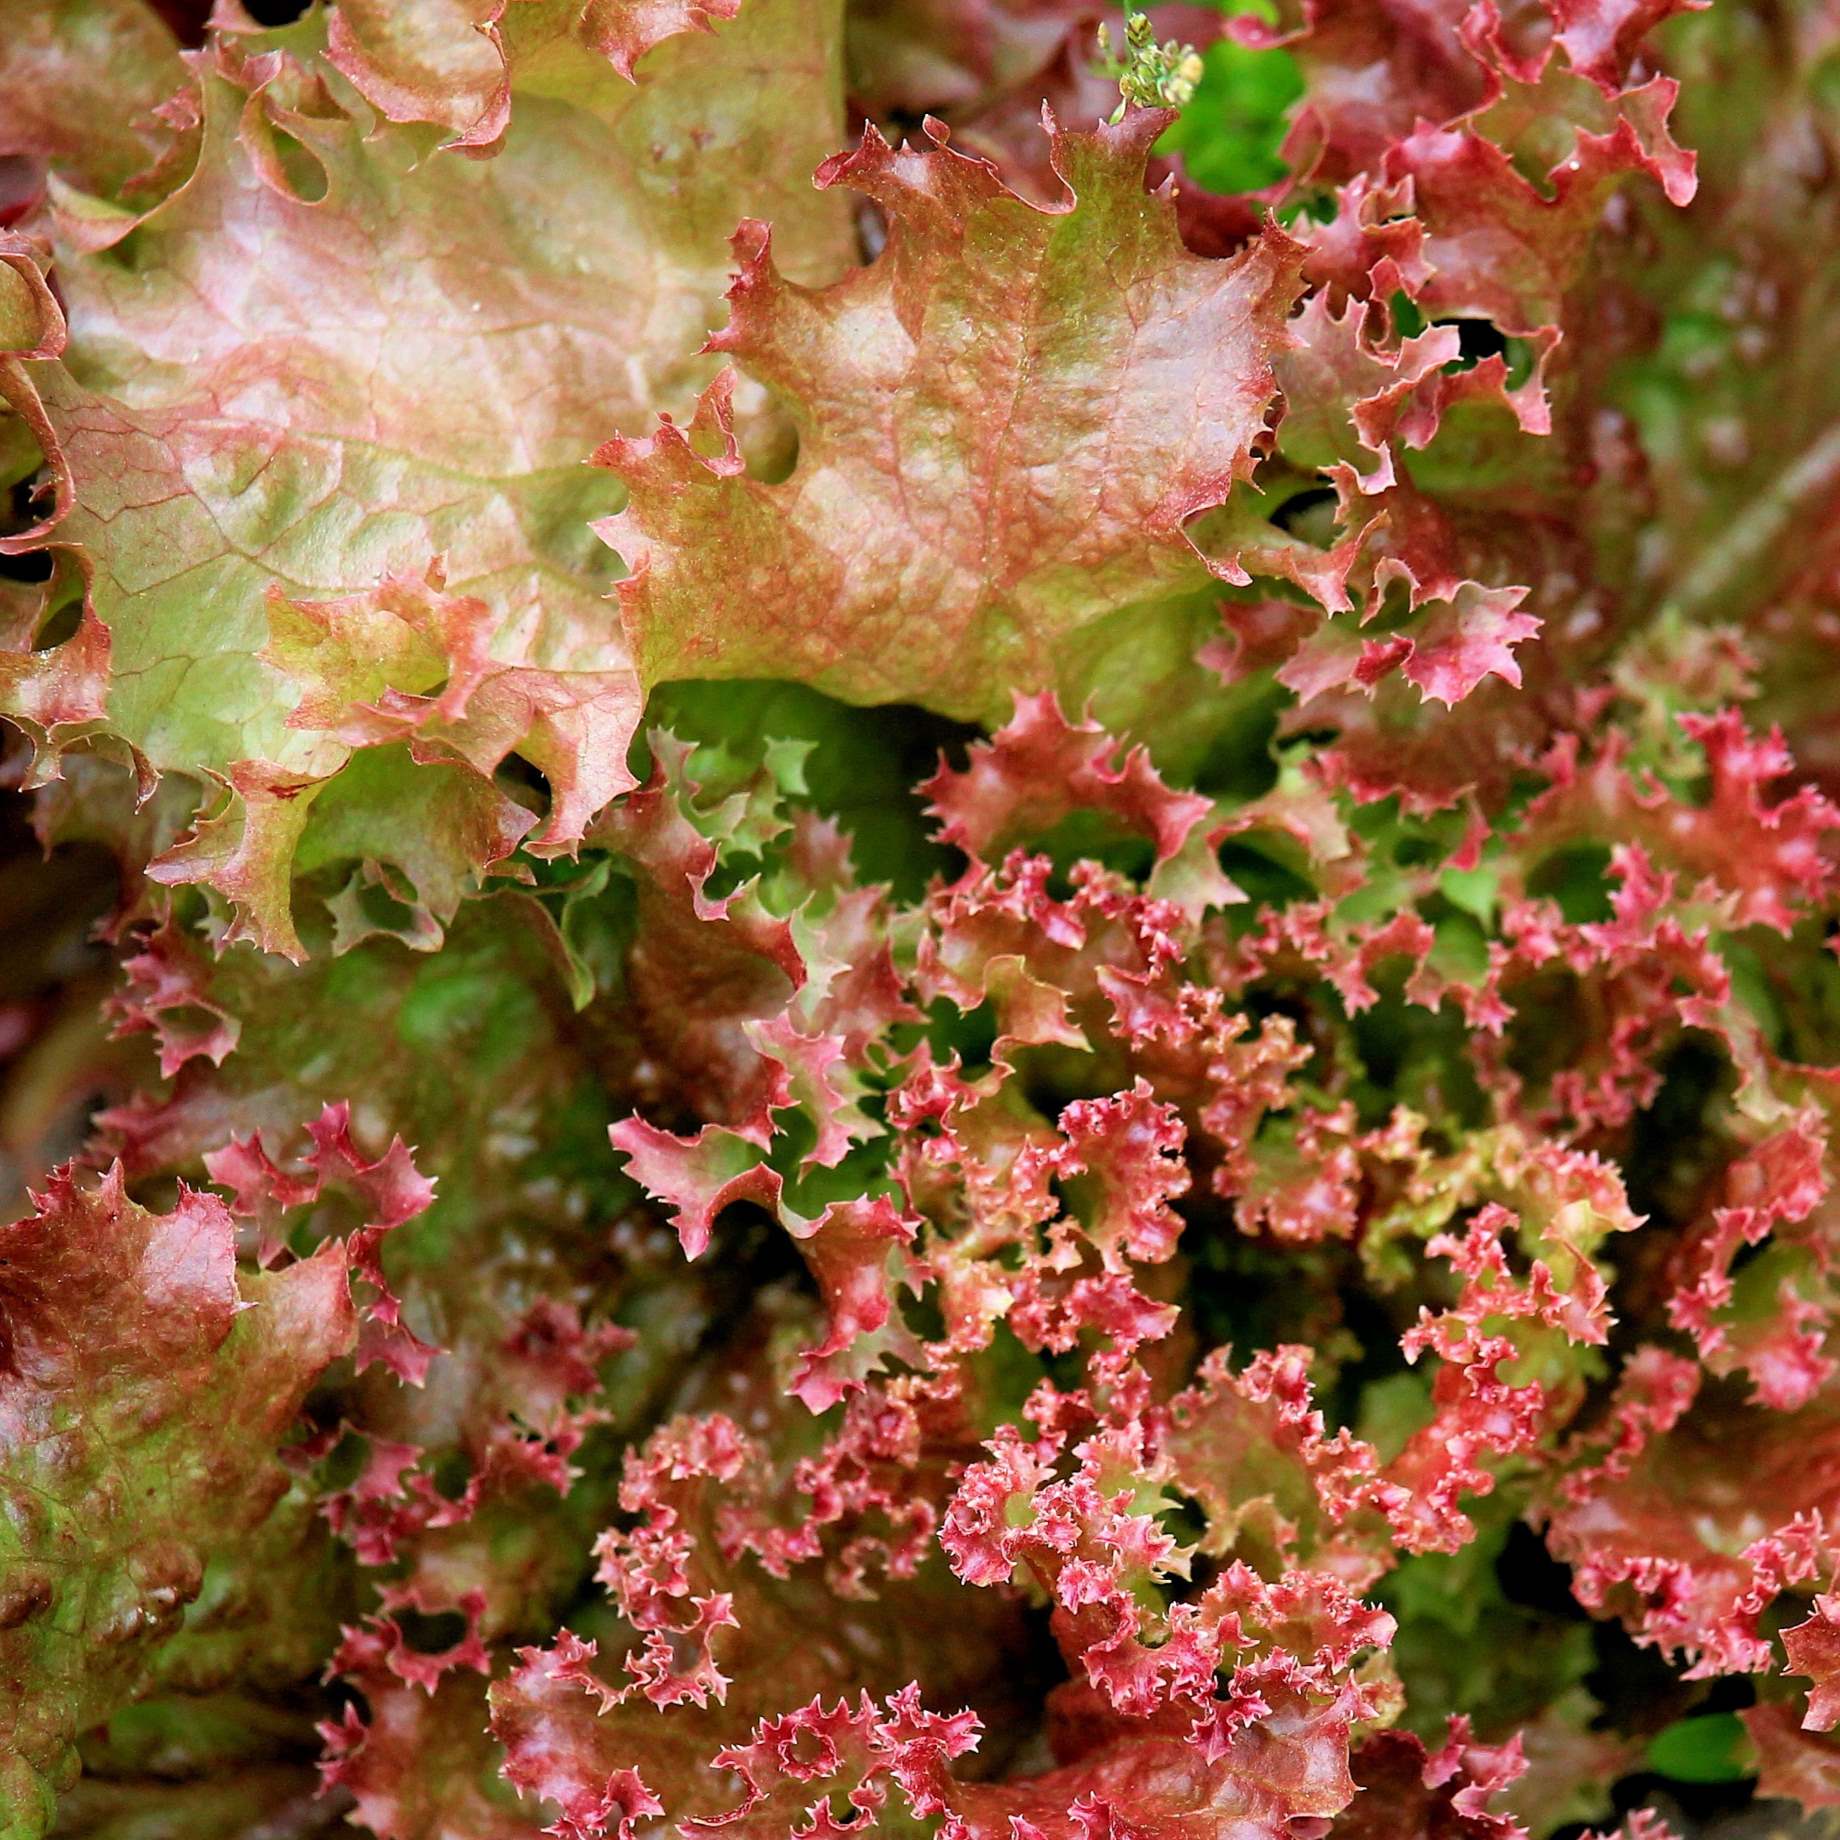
<point>300,168</point>
<point>871,230</point>
<point>187,1021</point>
<point>22,472</point>
<point>1477,339</point>
<point>1552,1027</point>
<point>61,625</point>
<point>1093,836</point>
<point>770,446</point>
<point>1578,878</point>
<point>35,566</point>
<point>453,1470</point>
<point>1265,880</point>
<point>1481,339</point>
<point>1309,515</point>
<point>970,1034</point>
<point>862,770</point>
<point>1530,1575</point>
<point>341,1467</point>
<point>1412,1055</point>
<point>431,1633</point>
<point>383,910</point>
<point>515,772</point>
<point>1406,315</point>
<point>1674,1145</point>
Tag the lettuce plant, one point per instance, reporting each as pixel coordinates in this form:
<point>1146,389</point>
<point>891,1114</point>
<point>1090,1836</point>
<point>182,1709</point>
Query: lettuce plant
<point>918,924</point>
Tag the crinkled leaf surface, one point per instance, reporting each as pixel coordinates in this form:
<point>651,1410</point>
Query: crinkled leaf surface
<point>131,1344</point>
<point>332,355</point>
<point>1005,424</point>
<point>1235,1295</point>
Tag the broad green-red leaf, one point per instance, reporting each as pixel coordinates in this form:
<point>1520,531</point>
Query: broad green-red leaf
<point>1006,423</point>
<point>334,355</point>
<point>130,1346</point>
